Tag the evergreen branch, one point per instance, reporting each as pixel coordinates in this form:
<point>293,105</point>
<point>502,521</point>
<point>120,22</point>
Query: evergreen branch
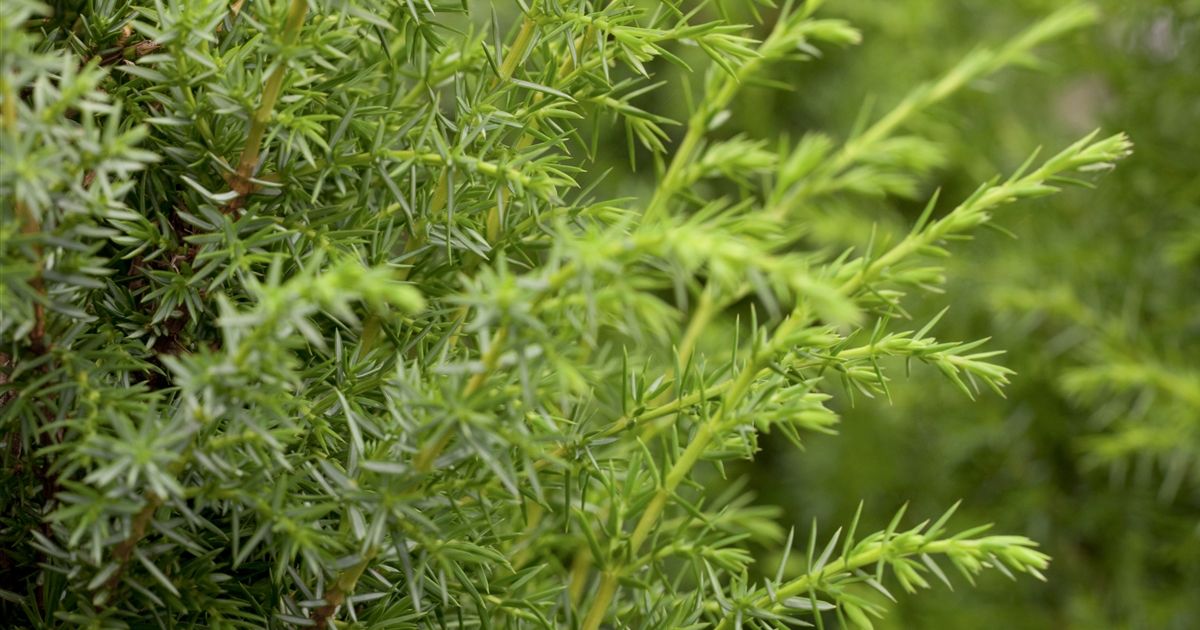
<point>974,211</point>
<point>794,188</point>
<point>969,555</point>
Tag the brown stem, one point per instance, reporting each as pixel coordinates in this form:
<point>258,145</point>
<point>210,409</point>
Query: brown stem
<point>37,336</point>
<point>131,52</point>
<point>8,106</point>
<point>235,9</point>
<point>336,596</point>
<point>29,223</point>
<point>138,529</point>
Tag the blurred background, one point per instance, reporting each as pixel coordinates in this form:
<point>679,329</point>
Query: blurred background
<point>1095,450</point>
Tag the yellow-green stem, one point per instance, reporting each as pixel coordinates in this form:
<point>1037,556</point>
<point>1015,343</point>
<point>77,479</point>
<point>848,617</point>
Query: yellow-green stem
<point>705,310</point>
<point>604,597</point>
<point>519,49</point>
<point>691,456</point>
<point>258,125</point>
<point>697,127</point>
<point>370,333</point>
<point>698,124</point>
<point>581,565</point>
<point>685,463</point>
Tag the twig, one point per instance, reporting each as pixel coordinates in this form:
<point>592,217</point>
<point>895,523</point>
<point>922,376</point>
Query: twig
<point>336,596</point>
<point>124,550</point>
<point>240,182</point>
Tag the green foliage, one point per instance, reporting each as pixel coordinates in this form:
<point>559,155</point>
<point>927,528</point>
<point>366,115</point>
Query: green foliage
<point>312,317</point>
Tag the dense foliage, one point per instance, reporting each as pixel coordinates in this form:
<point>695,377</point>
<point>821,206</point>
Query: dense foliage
<point>311,316</point>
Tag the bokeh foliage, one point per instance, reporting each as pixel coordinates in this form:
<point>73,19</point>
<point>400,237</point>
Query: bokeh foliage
<point>1095,449</point>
